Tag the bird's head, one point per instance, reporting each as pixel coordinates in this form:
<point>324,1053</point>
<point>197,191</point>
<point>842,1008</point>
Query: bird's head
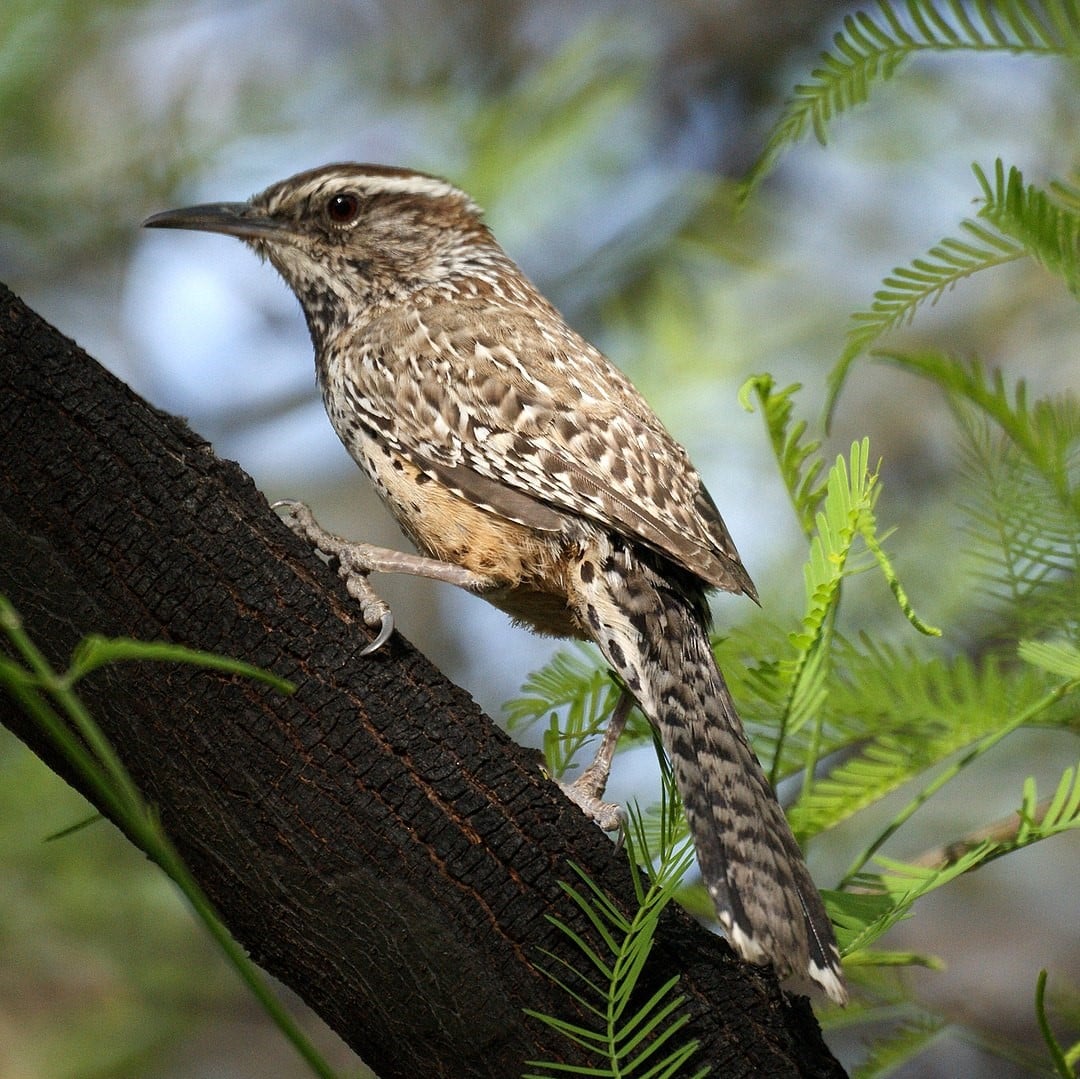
<point>351,239</point>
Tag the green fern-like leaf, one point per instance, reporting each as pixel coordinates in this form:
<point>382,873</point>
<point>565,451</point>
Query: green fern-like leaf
<point>574,693</point>
<point>904,884</point>
<point>1016,220</point>
<point>924,281</point>
<point>631,1037</point>
<point>847,509</point>
<point>568,677</point>
<point>1046,431</point>
<point>873,45</point>
<point>1012,717</point>
<point>1024,526</point>
<point>1062,813</point>
<point>798,457</point>
<point>847,515</point>
<point>1046,223</point>
<point>1059,658</point>
<point>935,709</point>
<point>1019,460</point>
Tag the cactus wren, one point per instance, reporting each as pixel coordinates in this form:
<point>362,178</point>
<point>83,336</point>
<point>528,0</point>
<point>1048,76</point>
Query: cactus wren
<point>528,469</point>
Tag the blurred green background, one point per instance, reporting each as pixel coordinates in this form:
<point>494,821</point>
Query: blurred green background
<point>604,138</point>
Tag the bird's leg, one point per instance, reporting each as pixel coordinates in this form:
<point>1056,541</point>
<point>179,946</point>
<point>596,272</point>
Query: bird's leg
<point>587,791</point>
<point>356,560</point>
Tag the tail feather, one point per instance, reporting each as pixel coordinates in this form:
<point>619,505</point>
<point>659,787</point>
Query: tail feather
<point>655,638</point>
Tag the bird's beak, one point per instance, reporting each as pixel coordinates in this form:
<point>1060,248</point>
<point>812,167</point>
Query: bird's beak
<point>231,218</point>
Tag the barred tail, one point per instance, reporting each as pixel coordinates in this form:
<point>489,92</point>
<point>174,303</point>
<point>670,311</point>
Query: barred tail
<point>656,640</point>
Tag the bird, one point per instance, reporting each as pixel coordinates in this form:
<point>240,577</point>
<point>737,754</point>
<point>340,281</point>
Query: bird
<point>526,468</point>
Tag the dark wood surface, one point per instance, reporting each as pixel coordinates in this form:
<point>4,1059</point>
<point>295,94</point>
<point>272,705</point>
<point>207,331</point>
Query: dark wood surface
<point>374,841</point>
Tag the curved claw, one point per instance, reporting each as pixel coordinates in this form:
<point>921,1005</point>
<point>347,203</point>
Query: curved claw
<point>293,510</point>
<point>620,839</point>
<point>351,566</point>
<point>290,505</point>
<point>386,627</point>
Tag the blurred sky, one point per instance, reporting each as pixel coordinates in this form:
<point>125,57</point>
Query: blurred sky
<point>602,137</point>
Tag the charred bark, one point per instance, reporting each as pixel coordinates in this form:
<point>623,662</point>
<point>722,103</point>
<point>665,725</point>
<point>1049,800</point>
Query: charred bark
<point>374,841</point>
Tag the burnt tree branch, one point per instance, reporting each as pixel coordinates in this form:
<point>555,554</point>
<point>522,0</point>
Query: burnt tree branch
<point>374,841</point>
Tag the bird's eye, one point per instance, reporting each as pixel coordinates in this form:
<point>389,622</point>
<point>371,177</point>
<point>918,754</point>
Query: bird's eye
<point>343,209</point>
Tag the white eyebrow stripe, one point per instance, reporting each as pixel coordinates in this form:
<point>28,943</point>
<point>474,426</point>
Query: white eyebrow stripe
<point>368,183</point>
<point>431,186</point>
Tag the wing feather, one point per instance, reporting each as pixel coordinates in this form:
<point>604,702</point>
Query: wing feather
<point>533,422</point>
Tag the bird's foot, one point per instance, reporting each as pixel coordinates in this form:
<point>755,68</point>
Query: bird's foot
<point>587,791</point>
<point>582,792</point>
<point>355,561</point>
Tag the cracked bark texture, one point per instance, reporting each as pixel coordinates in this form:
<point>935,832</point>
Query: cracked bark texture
<point>374,841</point>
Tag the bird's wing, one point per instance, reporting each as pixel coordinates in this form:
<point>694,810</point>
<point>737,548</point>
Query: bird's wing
<point>520,414</point>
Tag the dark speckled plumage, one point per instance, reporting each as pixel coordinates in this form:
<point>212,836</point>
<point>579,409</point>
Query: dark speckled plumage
<point>507,446</point>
